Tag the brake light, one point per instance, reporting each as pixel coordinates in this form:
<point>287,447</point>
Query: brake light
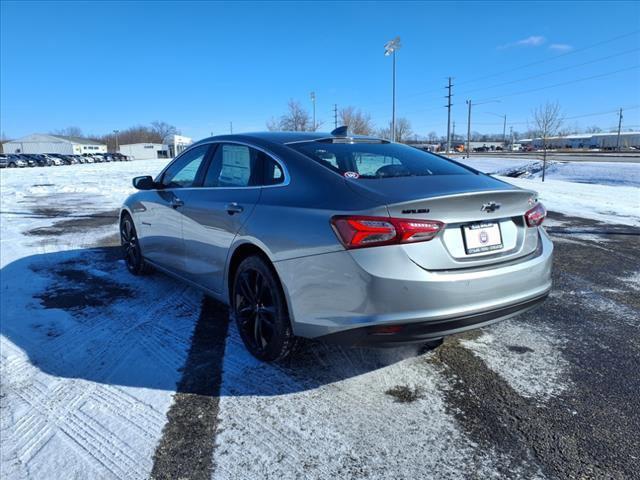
<point>536,215</point>
<point>359,232</point>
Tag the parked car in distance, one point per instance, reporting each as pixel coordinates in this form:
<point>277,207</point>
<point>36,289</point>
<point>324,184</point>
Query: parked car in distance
<point>15,156</point>
<point>408,247</point>
<point>33,157</point>
<point>65,159</point>
<point>10,160</point>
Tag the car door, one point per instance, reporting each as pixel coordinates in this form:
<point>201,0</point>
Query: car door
<point>160,221</point>
<point>215,213</point>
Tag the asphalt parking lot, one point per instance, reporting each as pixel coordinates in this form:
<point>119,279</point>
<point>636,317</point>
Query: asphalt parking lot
<point>550,394</point>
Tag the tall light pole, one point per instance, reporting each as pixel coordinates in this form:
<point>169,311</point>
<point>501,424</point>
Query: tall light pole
<point>390,49</point>
<point>116,132</point>
<point>313,100</point>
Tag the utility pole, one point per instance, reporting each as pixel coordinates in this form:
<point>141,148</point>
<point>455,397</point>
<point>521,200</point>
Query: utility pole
<point>230,127</point>
<point>511,135</point>
<point>116,133</point>
<point>313,100</point>
<point>504,133</point>
<point>335,115</point>
<point>448,105</point>
<point>619,130</point>
<point>469,130</point>
<point>453,132</point>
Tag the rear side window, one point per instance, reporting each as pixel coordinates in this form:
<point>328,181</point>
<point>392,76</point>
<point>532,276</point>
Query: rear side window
<point>273,174</point>
<point>379,160</point>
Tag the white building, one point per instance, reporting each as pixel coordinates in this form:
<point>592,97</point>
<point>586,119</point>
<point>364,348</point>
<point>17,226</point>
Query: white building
<point>178,144</point>
<point>44,143</point>
<point>606,141</point>
<point>145,151</point>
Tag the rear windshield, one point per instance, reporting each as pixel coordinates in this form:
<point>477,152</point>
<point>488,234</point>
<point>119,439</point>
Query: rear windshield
<point>378,160</point>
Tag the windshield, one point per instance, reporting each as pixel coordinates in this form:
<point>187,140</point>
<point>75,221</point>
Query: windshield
<point>379,160</point>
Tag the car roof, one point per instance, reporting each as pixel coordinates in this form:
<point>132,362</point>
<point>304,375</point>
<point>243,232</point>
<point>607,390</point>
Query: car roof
<point>281,138</point>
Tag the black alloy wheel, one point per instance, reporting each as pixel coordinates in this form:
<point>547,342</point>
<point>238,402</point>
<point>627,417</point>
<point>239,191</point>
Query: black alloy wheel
<point>131,247</point>
<point>260,310</point>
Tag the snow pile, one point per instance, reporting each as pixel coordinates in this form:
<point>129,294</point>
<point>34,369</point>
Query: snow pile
<point>616,205</point>
<point>601,173</point>
<point>604,191</point>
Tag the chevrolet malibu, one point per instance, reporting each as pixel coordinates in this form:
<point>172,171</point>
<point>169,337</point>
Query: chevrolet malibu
<point>340,238</point>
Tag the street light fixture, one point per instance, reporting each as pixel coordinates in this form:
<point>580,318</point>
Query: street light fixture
<point>313,100</point>
<point>390,49</point>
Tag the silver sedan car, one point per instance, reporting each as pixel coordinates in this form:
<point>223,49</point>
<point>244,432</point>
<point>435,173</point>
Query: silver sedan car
<point>341,238</point>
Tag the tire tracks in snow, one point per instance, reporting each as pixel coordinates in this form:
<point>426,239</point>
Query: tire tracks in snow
<point>188,438</point>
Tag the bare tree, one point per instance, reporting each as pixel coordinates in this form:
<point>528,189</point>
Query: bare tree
<point>432,137</point>
<point>297,119</point>
<point>163,130</point>
<point>273,125</point>
<point>135,134</point>
<point>69,132</point>
<point>403,130</point>
<point>593,129</point>
<point>358,122</point>
<point>547,119</point>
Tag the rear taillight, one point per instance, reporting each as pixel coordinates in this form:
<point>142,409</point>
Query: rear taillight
<point>359,232</point>
<point>535,216</point>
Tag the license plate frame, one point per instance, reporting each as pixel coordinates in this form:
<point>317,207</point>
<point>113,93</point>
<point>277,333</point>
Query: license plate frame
<point>482,237</point>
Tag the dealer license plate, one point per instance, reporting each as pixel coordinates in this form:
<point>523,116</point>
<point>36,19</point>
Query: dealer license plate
<point>482,237</point>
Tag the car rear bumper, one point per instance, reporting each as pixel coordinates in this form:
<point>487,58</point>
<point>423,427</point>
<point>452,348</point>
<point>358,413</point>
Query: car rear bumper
<point>420,332</point>
<point>338,294</point>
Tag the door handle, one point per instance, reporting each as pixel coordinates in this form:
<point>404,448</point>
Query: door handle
<point>233,207</point>
<point>176,202</point>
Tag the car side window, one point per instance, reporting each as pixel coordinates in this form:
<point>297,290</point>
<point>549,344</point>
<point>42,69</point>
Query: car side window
<point>273,174</point>
<point>234,166</point>
<point>183,172</point>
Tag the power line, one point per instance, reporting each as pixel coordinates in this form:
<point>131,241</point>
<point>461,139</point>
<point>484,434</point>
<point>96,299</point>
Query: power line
<point>553,71</point>
<point>570,82</point>
<point>537,62</point>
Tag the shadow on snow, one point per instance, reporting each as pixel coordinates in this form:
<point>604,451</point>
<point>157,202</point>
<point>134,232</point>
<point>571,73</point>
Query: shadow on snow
<point>80,314</point>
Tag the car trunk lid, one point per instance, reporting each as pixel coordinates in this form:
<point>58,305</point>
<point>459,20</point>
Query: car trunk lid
<point>484,218</point>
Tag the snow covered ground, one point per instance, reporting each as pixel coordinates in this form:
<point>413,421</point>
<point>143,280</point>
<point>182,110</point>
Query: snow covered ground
<point>90,357</point>
<point>604,191</point>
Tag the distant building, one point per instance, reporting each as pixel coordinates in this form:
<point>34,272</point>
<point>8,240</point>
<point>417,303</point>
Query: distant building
<point>44,143</point>
<point>145,151</point>
<point>177,144</point>
<point>605,141</point>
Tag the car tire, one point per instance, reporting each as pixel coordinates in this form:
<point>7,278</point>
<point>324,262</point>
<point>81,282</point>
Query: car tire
<point>130,245</point>
<point>12,165</point>
<point>259,307</point>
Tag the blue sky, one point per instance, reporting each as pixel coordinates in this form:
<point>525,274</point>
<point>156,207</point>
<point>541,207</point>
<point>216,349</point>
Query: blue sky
<point>102,66</point>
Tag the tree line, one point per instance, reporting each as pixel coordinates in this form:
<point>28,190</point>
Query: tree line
<point>298,119</point>
<point>156,132</point>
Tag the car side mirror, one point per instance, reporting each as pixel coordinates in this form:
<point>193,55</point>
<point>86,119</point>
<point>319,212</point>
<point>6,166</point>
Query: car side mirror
<point>144,183</point>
